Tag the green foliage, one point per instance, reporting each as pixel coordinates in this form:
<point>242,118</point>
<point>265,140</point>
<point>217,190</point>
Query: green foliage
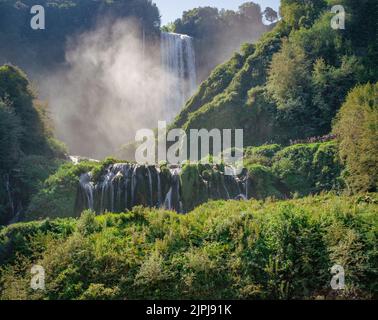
<point>357,127</point>
<point>27,119</point>
<point>310,168</point>
<point>289,77</point>
<point>264,183</point>
<point>218,81</point>
<point>97,291</point>
<point>221,250</point>
<point>300,169</point>
<point>227,108</point>
<point>265,151</point>
<point>331,86</point>
<point>327,168</point>
<point>87,223</point>
<point>270,15</point>
<point>31,172</point>
<point>194,189</point>
<point>57,196</point>
<point>361,27</point>
<point>292,82</point>
<point>10,132</point>
<point>15,90</point>
<point>27,238</point>
<point>27,146</point>
<point>301,13</point>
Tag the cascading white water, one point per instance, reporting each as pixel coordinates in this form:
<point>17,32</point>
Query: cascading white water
<point>174,192</point>
<point>159,187</point>
<point>178,59</point>
<point>88,187</point>
<point>150,186</point>
<point>124,185</point>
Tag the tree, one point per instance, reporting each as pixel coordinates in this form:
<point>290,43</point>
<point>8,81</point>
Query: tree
<point>25,130</point>
<point>270,14</point>
<point>330,87</point>
<point>356,126</point>
<point>301,13</point>
<point>15,87</point>
<point>10,132</point>
<point>251,11</point>
<point>289,76</point>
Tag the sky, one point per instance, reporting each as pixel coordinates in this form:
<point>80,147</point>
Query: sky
<point>171,10</point>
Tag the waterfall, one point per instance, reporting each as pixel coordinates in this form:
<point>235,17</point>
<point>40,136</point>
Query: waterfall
<point>124,185</point>
<point>159,188</point>
<point>87,188</point>
<point>133,185</point>
<point>9,194</point>
<point>150,186</point>
<point>172,200</point>
<point>178,60</point>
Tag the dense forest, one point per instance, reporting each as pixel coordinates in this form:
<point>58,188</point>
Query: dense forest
<point>306,96</point>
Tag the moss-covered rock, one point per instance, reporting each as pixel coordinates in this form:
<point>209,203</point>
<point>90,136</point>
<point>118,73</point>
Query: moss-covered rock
<point>308,168</point>
<point>194,189</point>
<point>263,183</point>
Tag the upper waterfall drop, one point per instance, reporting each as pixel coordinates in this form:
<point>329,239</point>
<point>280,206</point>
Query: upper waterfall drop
<point>178,60</point>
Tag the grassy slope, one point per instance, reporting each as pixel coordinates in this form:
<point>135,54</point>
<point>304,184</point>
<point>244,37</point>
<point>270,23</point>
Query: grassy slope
<point>224,249</point>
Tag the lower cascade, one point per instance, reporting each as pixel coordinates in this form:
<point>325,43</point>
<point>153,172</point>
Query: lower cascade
<point>122,186</point>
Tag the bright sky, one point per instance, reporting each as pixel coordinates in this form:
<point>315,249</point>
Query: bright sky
<point>170,10</point>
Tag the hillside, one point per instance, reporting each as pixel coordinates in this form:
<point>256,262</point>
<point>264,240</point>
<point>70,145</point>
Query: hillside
<point>292,82</point>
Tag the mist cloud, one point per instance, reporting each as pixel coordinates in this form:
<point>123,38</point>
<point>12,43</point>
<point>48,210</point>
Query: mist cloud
<point>111,87</point>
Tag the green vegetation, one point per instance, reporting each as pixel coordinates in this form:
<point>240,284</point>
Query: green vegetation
<point>57,196</point>
<point>311,168</point>
<point>273,171</point>
<point>28,151</point>
<point>357,128</point>
<point>300,82</point>
<point>221,250</point>
<point>292,82</point>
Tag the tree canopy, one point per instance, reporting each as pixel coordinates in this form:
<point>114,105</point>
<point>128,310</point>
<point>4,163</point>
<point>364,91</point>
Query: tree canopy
<point>357,129</point>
